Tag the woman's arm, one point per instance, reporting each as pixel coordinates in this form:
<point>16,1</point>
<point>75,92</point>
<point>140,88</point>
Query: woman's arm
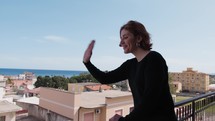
<point>116,75</point>
<point>119,74</point>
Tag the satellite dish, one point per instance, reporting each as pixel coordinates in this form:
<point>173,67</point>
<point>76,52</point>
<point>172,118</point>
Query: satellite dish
<point>114,86</point>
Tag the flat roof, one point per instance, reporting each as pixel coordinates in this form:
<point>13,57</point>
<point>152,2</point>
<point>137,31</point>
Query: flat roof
<point>15,97</point>
<point>95,99</point>
<point>6,107</point>
<point>29,100</point>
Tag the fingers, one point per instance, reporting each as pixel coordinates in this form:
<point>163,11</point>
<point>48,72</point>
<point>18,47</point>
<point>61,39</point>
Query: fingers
<point>91,45</point>
<point>88,52</point>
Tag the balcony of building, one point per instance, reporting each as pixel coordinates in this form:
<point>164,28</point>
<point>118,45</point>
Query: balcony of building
<point>199,108</point>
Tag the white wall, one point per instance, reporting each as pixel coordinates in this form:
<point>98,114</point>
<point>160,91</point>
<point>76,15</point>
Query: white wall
<point>2,93</point>
<point>9,116</point>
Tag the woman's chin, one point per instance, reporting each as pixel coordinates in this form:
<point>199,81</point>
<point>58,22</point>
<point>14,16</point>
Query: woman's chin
<point>126,52</point>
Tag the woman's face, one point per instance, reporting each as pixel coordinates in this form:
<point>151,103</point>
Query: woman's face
<point>127,41</point>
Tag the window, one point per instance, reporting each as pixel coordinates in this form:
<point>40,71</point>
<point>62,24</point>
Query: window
<point>89,116</point>
<point>2,118</point>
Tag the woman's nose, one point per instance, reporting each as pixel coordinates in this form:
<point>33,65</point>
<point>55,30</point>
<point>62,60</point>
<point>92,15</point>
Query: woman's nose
<point>120,43</point>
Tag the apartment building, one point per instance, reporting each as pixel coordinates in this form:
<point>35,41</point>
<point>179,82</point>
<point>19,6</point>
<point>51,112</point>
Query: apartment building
<point>177,86</point>
<point>192,81</point>
<point>86,106</point>
<point>8,111</point>
<point>8,108</point>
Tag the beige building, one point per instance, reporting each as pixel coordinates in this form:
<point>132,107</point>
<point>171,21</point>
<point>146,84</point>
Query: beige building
<point>192,81</point>
<point>86,106</point>
<point>212,87</point>
<point>83,87</point>
<point>8,111</point>
<point>177,86</point>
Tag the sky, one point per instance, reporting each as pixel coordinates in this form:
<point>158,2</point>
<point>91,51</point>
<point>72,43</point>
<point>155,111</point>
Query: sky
<point>53,34</point>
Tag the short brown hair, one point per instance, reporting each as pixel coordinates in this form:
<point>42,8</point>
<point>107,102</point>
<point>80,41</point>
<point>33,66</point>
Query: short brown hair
<point>138,29</point>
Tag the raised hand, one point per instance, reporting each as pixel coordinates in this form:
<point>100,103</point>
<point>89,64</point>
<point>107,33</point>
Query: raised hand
<point>88,52</point>
<point>116,117</point>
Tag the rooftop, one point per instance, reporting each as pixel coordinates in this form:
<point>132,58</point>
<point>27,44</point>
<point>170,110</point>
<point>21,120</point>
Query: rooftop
<point>97,87</point>
<point>97,99</point>
<point>30,100</point>
<point>6,107</point>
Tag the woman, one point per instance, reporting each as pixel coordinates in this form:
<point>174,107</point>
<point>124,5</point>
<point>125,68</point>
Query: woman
<point>147,74</point>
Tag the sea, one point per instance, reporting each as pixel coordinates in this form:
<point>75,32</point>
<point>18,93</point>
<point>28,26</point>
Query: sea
<point>40,72</point>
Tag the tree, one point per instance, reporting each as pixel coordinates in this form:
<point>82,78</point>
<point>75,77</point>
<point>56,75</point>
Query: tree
<point>9,81</point>
<point>61,82</point>
<point>41,81</point>
<point>83,77</point>
<point>171,85</point>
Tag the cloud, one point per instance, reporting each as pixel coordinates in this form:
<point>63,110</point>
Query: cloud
<point>54,38</point>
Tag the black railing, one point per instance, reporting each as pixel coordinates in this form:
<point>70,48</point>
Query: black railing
<point>199,108</point>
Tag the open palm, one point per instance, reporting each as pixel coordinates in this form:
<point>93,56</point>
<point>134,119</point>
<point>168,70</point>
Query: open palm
<point>88,52</point>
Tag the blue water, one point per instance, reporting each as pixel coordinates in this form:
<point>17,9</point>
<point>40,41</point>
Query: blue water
<point>37,72</point>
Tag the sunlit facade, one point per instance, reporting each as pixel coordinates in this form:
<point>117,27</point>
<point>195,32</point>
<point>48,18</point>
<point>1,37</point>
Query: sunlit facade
<point>192,81</point>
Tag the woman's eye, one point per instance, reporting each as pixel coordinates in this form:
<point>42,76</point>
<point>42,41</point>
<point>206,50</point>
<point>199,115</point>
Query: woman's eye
<point>125,37</point>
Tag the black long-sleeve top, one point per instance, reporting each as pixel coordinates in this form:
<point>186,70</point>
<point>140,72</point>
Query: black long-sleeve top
<point>148,80</point>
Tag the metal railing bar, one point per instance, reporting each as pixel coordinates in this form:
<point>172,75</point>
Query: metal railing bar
<point>196,108</point>
<point>194,99</point>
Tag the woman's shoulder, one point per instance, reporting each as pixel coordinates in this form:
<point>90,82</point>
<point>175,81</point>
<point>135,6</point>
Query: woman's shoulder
<point>131,60</point>
<point>155,54</point>
<point>128,63</point>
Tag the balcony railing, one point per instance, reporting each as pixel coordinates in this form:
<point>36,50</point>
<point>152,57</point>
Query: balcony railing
<point>200,108</point>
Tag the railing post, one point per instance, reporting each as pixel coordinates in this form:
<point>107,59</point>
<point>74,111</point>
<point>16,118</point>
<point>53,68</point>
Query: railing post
<point>193,110</point>
<point>197,107</point>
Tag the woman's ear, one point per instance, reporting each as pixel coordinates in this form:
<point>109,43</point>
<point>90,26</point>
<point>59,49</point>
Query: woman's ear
<point>139,39</point>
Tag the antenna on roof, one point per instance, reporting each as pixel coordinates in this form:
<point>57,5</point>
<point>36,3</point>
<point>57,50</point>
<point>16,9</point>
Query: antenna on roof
<point>100,88</point>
